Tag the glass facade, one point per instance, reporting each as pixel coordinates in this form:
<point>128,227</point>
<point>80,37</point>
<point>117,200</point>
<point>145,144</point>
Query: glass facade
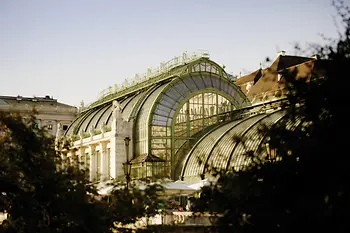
<point>142,126</point>
<point>198,113</point>
<point>218,150</point>
<point>186,106</point>
<point>168,114</point>
<point>149,170</point>
<point>194,115</point>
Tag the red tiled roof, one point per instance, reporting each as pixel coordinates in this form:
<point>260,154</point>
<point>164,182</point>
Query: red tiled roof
<point>249,78</point>
<point>269,82</point>
<point>283,62</point>
<point>252,78</point>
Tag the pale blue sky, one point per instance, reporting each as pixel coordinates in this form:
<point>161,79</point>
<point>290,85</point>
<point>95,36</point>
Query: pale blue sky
<point>73,49</point>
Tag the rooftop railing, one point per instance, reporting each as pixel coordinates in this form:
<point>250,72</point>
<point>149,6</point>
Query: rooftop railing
<point>151,76</point>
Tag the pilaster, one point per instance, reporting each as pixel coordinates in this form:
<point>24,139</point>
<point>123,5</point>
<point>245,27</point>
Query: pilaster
<point>93,163</point>
<point>82,158</point>
<point>120,130</point>
<point>104,161</point>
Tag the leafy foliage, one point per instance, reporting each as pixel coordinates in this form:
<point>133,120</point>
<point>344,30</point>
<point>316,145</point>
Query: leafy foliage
<point>129,205</point>
<point>307,187</point>
<point>37,193</point>
<point>41,192</point>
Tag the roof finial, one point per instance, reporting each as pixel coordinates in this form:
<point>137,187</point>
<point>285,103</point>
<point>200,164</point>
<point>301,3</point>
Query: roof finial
<point>281,53</point>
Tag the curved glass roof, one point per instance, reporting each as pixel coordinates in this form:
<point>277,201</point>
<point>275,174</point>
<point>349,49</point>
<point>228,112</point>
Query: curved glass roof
<point>157,105</point>
<point>183,88</point>
<point>219,150</point>
<point>101,115</point>
<point>178,84</point>
<point>142,127</point>
<point>155,109</point>
<point>3,101</point>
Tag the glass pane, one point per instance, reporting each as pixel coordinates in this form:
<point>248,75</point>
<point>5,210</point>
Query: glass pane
<point>207,81</point>
<point>160,144</point>
<point>202,67</point>
<point>161,112</point>
<point>171,114</point>
<point>158,131</point>
<point>190,84</point>
<point>163,108</point>
<point>195,68</point>
<point>207,67</point>
<point>182,88</point>
<point>158,122</point>
<point>199,82</point>
<point>216,83</point>
<point>173,93</point>
<point>166,100</point>
<point>215,70</point>
<point>202,112</point>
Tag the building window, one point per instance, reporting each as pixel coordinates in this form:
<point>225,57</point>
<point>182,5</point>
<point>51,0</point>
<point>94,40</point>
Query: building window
<point>65,127</point>
<point>49,126</point>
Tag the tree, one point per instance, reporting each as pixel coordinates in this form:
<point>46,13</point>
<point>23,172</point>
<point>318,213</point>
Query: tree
<point>38,194</point>
<point>306,189</point>
<point>41,192</point>
<point>129,205</point>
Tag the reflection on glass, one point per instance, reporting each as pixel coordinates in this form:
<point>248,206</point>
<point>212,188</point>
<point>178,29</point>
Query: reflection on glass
<point>198,113</point>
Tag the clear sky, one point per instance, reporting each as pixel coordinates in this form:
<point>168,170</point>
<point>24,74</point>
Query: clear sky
<point>73,49</point>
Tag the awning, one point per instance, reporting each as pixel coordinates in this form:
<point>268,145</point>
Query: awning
<point>178,188</point>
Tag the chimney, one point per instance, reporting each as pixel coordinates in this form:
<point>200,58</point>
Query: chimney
<point>281,53</point>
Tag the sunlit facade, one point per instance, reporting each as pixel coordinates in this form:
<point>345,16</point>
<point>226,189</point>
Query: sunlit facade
<point>50,114</point>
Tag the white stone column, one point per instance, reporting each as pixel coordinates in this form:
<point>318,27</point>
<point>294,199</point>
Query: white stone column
<point>104,161</point>
<point>120,130</point>
<point>93,162</point>
<point>74,160</point>
<point>113,155</point>
<point>113,145</point>
<point>82,158</point>
<point>118,156</point>
<point>54,127</point>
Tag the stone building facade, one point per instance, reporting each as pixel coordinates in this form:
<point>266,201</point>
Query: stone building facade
<point>49,113</point>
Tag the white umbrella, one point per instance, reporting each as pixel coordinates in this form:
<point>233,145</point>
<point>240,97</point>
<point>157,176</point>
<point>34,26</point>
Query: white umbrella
<point>107,187</point>
<point>105,190</point>
<point>178,187</point>
<point>200,184</point>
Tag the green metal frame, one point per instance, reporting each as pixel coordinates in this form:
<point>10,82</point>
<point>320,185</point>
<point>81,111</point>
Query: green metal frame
<point>179,70</point>
<point>185,100</point>
<point>184,81</point>
<point>135,113</point>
